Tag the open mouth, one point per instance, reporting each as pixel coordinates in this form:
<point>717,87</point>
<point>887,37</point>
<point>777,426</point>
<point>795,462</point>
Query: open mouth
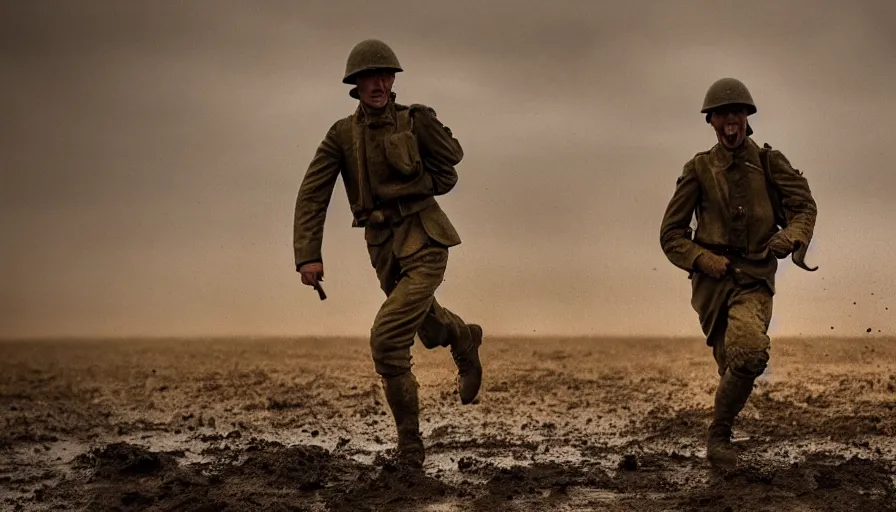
<point>731,132</point>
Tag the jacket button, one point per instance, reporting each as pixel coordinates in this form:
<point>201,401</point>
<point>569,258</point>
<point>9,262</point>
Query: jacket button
<point>739,211</point>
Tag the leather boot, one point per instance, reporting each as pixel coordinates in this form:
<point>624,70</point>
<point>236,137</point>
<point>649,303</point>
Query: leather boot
<point>465,352</point>
<point>731,396</point>
<point>401,395</point>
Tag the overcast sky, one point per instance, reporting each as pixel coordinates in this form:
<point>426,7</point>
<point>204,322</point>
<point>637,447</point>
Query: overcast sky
<point>151,153</point>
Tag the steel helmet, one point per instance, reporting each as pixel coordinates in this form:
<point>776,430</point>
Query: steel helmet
<point>728,91</point>
<point>369,54</point>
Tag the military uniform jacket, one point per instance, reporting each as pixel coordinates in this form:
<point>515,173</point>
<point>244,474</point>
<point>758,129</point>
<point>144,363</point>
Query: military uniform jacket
<point>728,192</point>
<point>401,158</point>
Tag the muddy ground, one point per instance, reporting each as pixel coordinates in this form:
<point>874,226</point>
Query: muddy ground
<point>562,424</point>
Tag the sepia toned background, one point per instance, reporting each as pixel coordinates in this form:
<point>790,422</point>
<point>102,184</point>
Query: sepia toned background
<point>150,154</point>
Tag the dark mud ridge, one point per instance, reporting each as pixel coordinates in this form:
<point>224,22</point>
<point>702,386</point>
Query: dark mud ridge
<point>268,476</point>
<point>561,425</point>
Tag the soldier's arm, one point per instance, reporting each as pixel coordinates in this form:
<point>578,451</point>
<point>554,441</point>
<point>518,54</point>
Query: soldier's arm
<point>675,229</point>
<point>313,199</point>
<point>796,198</point>
<point>439,149</point>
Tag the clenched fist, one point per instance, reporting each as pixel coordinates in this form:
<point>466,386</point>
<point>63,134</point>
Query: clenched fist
<point>712,264</point>
<point>780,244</point>
<point>312,273</point>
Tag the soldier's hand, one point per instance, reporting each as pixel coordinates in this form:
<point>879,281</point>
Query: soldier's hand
<point>312,273</point>
<point>780,244</point>
<point>712,264</point>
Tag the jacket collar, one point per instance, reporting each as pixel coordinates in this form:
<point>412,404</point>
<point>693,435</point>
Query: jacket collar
<point>721,158</point>
<point>376,117</point>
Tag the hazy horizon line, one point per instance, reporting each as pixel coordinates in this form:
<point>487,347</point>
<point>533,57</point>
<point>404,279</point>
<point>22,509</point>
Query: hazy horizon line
<point>500,337</point>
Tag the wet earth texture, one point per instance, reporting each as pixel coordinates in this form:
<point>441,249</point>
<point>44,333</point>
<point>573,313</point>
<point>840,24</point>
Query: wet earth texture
<point>560,425</point>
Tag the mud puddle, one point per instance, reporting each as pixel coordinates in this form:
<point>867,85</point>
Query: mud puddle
<point>560,425</point>
<point>254,473</point>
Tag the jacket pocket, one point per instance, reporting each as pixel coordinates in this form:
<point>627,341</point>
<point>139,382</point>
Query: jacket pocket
<point>403,154</point>
<point>438,226</point>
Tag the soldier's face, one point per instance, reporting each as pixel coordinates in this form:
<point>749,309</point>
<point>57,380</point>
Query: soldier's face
<point>730,124</point>
<point>374,87</point>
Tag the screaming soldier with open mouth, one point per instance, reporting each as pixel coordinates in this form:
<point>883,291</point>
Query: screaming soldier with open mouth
<point>394,160</point>
<point>752,208</point>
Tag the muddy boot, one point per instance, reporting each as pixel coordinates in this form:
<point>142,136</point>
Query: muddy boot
<point>401,394</point>
<point>731,396</point>
<point>465,351</point>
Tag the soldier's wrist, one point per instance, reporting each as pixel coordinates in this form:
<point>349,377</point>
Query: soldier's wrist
<point>302,264</point>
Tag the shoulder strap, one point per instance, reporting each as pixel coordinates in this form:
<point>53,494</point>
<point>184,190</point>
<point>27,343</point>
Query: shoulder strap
<point>404,120</point>
<point>695,215</point>
<point>771,186</point>
<point>766,165</point>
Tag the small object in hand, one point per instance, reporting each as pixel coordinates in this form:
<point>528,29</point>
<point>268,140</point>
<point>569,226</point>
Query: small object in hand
<point>320,290</point>
<point>781,245</point>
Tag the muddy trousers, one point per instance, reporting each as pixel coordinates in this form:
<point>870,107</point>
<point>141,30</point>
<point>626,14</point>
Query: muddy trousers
<point>740,341</point>
<point>740,348</point>
<point>410,308</point>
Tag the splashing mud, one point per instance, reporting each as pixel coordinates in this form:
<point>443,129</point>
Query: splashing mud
<point>560,425</point>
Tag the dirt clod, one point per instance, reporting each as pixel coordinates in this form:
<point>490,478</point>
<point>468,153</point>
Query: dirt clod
<point>628,463</point>
<point>567,425</point>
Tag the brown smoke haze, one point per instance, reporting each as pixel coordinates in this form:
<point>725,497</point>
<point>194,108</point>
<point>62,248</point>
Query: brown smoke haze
<point>151,153</point>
